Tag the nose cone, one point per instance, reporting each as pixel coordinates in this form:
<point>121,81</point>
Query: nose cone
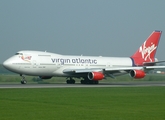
<point>11,65</point>
<point>7,64</point>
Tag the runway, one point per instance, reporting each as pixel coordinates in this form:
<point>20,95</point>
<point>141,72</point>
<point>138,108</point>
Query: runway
<point>77,85</point>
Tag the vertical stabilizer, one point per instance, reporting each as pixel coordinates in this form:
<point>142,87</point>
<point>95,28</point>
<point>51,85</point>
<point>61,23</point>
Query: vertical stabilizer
<point>147,51</point>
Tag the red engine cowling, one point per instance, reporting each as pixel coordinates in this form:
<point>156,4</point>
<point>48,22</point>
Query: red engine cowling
<point>137,74</point>
<point>45,77</point>
<point>95,76</point>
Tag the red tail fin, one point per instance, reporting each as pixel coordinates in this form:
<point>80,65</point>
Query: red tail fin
<point>147,51</point>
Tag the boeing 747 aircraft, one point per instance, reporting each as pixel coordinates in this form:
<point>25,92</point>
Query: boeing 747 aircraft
<point>90,68</point>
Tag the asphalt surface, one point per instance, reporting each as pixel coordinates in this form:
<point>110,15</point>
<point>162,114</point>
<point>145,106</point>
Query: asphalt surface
<point>64,85</point>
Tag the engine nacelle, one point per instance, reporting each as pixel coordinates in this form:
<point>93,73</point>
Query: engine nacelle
<point>95,76</point>
<point>45,77</point>
<point>137,74</point>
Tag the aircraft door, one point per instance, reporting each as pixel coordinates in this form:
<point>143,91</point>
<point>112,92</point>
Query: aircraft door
<point>34,64</point>
<point>108,65</point>
<point>87,65</point>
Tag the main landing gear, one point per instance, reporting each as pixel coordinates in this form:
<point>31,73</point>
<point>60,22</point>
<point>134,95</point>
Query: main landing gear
<point>70,81</point>
<point>23,81</point>
<point>87,81</point>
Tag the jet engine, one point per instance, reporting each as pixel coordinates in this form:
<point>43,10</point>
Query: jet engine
<point>137,74</point>
<point>95,76</point>
<point>45,77</point>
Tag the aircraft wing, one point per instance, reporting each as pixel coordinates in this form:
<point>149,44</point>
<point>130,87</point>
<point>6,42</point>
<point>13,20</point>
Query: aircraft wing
<point>135,68</point>
<point>72,71</point>
<point>111,70</point>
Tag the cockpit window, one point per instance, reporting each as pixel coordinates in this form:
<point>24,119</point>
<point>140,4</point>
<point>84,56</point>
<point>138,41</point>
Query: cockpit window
<point>18,54</point>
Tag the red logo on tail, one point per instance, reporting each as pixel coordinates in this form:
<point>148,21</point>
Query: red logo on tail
<point>147,51</point>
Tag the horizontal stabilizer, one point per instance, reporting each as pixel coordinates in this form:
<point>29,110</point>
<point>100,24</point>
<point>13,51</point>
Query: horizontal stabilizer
<point>152,63</point>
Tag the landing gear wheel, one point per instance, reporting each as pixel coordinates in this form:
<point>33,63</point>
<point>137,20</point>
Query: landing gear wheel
<point>96,82</point>
<point>67,81</point>
<point>82,82</point>
<point>71,81</point>
<point>23,81</point>
<point>89,82</point>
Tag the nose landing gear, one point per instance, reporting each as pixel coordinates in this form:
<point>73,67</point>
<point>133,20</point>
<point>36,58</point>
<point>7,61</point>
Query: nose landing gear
<point>23,80</point>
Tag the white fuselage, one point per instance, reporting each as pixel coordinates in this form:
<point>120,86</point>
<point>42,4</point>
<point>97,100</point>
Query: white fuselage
<point>49,64</point>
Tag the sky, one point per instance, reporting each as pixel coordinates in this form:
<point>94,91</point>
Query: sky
<point>114,28</point>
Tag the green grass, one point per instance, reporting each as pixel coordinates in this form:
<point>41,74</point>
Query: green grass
<point>125,103</point>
